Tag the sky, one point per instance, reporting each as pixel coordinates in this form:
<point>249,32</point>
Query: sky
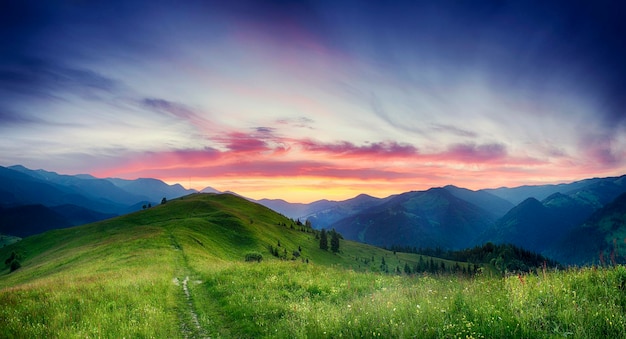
<point>304,100</point>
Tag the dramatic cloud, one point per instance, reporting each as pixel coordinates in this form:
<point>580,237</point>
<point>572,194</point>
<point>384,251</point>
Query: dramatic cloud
<point>476,153</point>
<point>175,109</point>
<point>309,100</point>
<point>42,79</point>
<point>454,130</point>
<point>387,149</point>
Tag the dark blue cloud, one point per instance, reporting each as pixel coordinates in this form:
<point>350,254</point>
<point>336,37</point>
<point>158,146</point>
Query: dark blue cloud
<point>34,77</point>
<point>164,106</point>
<point>537,46</point>
<point>10,117</point>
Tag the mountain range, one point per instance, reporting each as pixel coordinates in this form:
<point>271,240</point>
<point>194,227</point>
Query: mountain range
<point>33,201</point>
<point>600,239</point>
<point>543,218</point>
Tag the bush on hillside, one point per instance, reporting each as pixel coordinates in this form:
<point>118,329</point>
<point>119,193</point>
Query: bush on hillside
<point>254,256</point>
<point>12,257</point>
<point>15,264</point>
<point>13,261</point>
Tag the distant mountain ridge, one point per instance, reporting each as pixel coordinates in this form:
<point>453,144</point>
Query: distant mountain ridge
<point>537,218</point>
<point>544,216</point>
<point>34,201</point>
<point>516,195</point>
<point>109,190</point>
<point>483,199</point>
<point>534,225</point>
<point>432,218</point>
<point>602,237</point>
<point>322,213</point>
<point>539,226</point>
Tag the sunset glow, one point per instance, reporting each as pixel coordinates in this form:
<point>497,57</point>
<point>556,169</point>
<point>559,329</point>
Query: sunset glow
<point>321,100</point>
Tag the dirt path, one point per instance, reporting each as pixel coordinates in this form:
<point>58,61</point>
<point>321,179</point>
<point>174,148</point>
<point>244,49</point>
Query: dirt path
<point>194,316</point>
<point>189,323</point>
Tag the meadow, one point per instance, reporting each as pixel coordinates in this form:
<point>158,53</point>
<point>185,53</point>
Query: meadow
<point>175,272</point>
<point>293,300</point>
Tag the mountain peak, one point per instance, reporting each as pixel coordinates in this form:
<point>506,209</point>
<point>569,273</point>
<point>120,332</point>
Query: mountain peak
<point>532,201</point>
<point>456,188</point>
<point>209,189</point>
<point>556,195</point>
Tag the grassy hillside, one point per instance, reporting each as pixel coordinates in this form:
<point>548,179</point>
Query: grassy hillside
<point>178,270</point>
<point>87,280</point>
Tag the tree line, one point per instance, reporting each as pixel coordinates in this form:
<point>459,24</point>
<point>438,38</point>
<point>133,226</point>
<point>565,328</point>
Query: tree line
<point>504,257</point>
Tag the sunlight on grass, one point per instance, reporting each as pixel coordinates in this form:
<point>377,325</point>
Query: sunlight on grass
<point>126,304</point>
<point>298,300</point>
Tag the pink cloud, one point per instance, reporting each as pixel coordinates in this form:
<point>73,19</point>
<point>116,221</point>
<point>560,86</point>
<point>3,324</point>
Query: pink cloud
<point>345,148</point>
<point>475,153</point>
<point>266,168</point>
<point>243,143</point>
<point>251,155</point>
<point>261,155</point>
<point>600,151</point>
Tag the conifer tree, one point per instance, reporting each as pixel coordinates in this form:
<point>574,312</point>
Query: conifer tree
<point>323,240</point>
<point>422,264</point>
<point>334,241</point>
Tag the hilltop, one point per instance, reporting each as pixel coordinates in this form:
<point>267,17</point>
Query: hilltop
<point>132,268</point>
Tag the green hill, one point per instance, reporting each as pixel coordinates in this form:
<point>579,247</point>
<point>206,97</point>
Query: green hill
<point>178,270</point>
<point>129,276</point>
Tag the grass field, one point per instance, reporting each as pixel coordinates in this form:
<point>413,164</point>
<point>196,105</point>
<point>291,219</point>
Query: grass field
<point>178,270</point>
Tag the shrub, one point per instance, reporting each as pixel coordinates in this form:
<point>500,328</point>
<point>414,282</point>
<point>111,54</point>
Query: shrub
<point>254,256</point>
<point>15,264</point>
<point>11,258</point>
